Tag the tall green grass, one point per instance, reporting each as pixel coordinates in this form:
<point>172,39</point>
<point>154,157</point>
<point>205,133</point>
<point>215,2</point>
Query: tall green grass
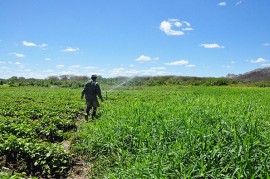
<point>202,132</point>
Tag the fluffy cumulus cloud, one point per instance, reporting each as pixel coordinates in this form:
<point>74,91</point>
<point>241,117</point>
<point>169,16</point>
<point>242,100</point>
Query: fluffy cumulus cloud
<point>259,60</point>
<point>144,58</point>
<point>222,4</point>
<point>214,45</point>
<point>18,55</point>
<point>70,49</point>
<point>174,27</point>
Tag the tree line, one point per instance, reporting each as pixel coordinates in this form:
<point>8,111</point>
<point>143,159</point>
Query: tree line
<point>72,81</point>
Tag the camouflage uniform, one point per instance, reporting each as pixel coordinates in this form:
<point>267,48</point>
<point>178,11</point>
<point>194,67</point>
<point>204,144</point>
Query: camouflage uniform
<point>91,91</point>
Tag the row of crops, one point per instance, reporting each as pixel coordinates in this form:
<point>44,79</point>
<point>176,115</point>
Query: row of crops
<point>174,132</point>
<point>33,124</point>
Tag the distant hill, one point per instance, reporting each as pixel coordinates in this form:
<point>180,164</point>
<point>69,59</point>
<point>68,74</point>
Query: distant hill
<point>254,75</point>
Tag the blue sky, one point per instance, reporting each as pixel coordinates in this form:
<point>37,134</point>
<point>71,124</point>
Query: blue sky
<point>206,38</point>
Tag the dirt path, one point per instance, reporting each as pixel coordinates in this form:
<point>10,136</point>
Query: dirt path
<point>80,169</point>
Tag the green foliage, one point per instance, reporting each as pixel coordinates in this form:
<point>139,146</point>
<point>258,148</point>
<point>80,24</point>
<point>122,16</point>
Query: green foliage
<point>67,81</point>
<point>33,122</point>
<point>172,132</point>
<point>141,132</point>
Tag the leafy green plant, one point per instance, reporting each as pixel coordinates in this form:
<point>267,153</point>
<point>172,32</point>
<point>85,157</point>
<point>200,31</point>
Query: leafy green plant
<point>196,132</point>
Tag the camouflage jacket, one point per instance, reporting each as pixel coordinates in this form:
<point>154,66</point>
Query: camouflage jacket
<point>91,90</point>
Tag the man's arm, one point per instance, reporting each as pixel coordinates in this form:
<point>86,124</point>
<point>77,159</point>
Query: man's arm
<point>99,92</point>
<point>82,95</point>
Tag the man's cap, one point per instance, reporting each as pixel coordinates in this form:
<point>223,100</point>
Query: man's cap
<point>94,76</point>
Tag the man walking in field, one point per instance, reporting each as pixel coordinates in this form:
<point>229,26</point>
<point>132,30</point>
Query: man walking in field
<point>91,91</point>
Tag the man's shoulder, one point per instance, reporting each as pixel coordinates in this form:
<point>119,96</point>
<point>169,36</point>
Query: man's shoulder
<point>91,82</point>
<point>88,82</point>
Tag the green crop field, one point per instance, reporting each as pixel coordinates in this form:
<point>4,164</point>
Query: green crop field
<point>146,132</point>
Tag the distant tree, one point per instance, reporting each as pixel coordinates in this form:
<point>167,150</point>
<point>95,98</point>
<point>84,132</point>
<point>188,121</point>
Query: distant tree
<point>53,78</point>
<point>79,78</point>
<point>13,78</point>
<point>64,77</point>
<point>21,79</point>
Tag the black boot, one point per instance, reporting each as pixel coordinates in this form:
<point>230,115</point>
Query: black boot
<point>93,114</point>
<point>86,116</point>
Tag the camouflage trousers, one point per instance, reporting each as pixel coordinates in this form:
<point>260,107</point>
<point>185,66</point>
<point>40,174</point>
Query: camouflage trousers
<point>91,104</point>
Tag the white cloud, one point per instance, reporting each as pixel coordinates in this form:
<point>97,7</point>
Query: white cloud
<point>31,44</point>
<point>174,27</point>
<point>238,3</point>
<point>187,29</point>
<point>133,72</point>
<point>211,46</point>
<point>144,58</point>
<point>28,44</point>
<point>178,24</point>
<point>89,68</point>
<point>17,63</point>
<point>60,66</point>
<point>157,68</point>
<point>69,49</point>
<point>266,44</point>
<point>232,62</point>
<point>43,45</point>
<point>49,71</point>
<point>18,55</point>
<point>70,73</point>
<point>47,59</point>
<point>222,4</point>
<point>266,65</point>
<point>2,62</point>
<point>227,66</point>
<point>259,60</point>
<point>74,66</point>
<point>190,66</point>
<point>180,62</point>
<point>187,23</point>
